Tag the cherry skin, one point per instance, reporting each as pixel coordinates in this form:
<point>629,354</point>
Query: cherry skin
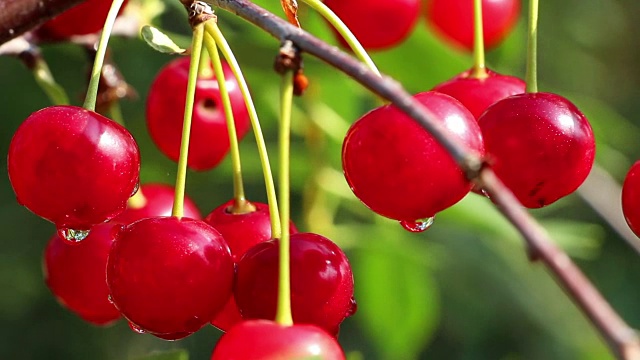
<point>85,18</point>
<point>73,167</point>
<point>398,169</point>
<point>263,340</point>
<point>241,231</point>
<point>75,274</point>
<point>631,198</point>
<point>477,94</point>
<point>321,282</point>
<point>169,276</point>
<point>377,24</point>
<point>155,200</point>
<point>540,145</point>
<point>453,20</point>
<point>209,141</point>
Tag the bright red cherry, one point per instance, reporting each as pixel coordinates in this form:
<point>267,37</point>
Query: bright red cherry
<point>73,167</point>
<point>85,18</point>
<point>321,282</point>
<point>169,276</point>
<point>377,24</point>
<point>263,340</point>
<point>209,141</point>
<point>540,145</point>
<point>155,200</point>
<point>631,198</point>
<point>241,231</point>
<point>453,19</point>
<point>76,274</point>
<point>477,94</point>
<point>398,169</point>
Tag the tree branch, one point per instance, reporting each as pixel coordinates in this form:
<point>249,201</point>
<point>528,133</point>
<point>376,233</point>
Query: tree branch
<point>20,16</point>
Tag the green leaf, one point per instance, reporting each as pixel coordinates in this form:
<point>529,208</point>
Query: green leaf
<point>176,354</point>
<point>160,41</point>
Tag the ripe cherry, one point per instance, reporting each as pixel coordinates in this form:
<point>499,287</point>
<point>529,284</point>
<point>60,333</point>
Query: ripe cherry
<point>85,18</point>
<point>478,93</point>
<point>540,145</point>
<point>263,339</point>
<point>75,274</point>
<point>398,169</point>
<point>453,19</point>
<point>377,24</point>
<point>241,231</point>
<point>155,200</point>
<point>169,276</point>
<point>209,141</point>
<point>631,198</point>
<point>321,282</point>
<point>73,167</point>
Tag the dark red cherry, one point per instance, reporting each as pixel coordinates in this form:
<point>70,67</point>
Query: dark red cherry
<point>169,276</point>
<point>75,274</point>
<point>540,145</point>
<point>377,24</point>
<point>73,167</point>
<point>241,231</point>
<point>155,200</point>
<point>88,17</point>
<point>209,141</point>
<point>263,339</point>
<point>631,198</point>
<point>321,282</point>
<point>453,20</point>
<point>477,94</point>
<point>398,169</point>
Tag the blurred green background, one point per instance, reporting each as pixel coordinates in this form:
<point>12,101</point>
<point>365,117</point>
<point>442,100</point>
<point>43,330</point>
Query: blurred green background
<point>464,289</point>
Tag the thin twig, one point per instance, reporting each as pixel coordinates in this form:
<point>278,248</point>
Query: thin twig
<point>20,16</point>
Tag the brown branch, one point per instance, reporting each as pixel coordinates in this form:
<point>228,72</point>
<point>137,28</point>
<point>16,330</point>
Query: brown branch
<point>621,338</point>
<point>20,16</point>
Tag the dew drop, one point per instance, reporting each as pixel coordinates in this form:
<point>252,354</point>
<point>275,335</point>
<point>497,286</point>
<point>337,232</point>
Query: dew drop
<point>354,307</point>
<point>135,189</point>
<point>136,328</point>
<point>419,225</point>
<point>72,236</point>
<point>110,299</point>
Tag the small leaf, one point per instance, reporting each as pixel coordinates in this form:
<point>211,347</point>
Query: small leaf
<point>160,41</point>
<point>177,354</point>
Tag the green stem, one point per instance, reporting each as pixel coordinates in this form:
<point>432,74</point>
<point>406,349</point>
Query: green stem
<point>214,34</point>
<point>532,48</point>
<point>283,313</point>
<point>344,31</point>
<point>205,71</point>
<point>181,178</point>
<point>94,82</point>
<point>241,205</point>
<point>115,112</point>
<point>47,83</point>
<point>479,70</point>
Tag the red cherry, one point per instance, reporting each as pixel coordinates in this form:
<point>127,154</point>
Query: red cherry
<point>241,231</point>
<point>453,19</point>
<point>377,24</point>
<point>398,169</point>
<point>85,18</point>
<point>631,198</point>
<point>73,166</point>
<point>169,276</point>
<point>477,94</point>
<point>156,200</point>
<point>541,146</point>
<point>209,141</point>
<point>75,274</point>
<point>263,339</point>
<point>321,282</point>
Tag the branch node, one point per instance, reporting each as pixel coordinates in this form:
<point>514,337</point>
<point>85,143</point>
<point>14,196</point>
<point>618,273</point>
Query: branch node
<point>199,12</point>
<point>289,58</point>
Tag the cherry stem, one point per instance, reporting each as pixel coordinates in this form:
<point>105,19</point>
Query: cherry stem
<point>205,70</point>
<point>241,204</point>
<point>181,178</point>
<point>137,201</point>
<point>532,48</point>
<point>94,82</point>
<point>283,313</point>
<point>479,70</point>
<point>115,112</point>
<point>47,83</point>
<point>214,34</point>
<point>344,31</point>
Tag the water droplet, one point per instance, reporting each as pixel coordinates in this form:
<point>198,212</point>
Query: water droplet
<point>419,225</point>
<point>135,189</point>
<point>110,298</point>
<point>72,236</point>
<point>354,307</point>
<point>136,328</point>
